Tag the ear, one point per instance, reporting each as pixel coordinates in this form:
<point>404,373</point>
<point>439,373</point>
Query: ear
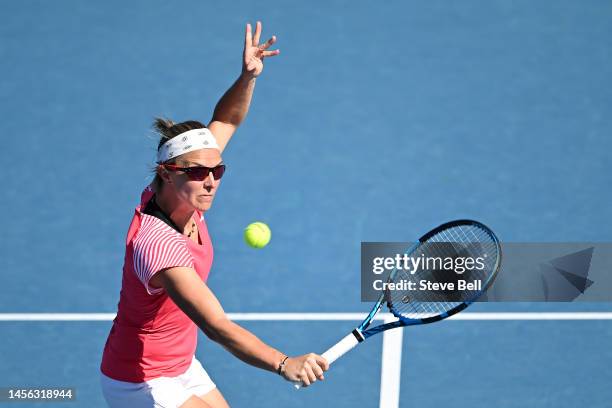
<point>163,174</point>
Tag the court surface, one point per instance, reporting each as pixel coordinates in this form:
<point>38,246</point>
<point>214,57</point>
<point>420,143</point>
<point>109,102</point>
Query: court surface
<point>376,123</point>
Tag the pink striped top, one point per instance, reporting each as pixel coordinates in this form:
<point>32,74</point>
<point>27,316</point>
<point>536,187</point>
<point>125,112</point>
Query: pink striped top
<point>151,337</point>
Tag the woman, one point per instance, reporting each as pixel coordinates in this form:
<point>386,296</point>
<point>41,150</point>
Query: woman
<point>148,358</point>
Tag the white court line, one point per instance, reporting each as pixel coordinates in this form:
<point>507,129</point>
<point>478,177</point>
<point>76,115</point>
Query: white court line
<point>391,367</point>
<point>321,316</point>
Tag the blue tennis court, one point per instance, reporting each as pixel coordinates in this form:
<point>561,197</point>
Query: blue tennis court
<point>375,123</point>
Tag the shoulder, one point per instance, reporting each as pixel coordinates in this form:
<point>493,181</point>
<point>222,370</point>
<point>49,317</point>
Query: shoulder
<point>155,232</point>
<point>157,246</point>
<point>157,242</point>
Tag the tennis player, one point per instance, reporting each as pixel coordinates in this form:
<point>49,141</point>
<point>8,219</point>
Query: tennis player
<point>149,356</point>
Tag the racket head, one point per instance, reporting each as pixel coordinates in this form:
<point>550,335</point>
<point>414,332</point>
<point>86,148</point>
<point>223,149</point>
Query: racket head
<point>454,240</point>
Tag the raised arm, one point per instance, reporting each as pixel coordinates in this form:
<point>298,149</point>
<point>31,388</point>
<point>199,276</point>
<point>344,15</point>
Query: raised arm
<point>198,302</point>
<point>233,106</point>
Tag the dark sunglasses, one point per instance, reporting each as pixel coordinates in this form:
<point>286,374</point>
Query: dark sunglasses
<point>199,173</point>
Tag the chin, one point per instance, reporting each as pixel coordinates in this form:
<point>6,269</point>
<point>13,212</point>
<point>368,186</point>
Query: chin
<point>204,206</point>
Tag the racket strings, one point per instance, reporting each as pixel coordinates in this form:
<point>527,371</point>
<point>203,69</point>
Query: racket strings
<point>460,241</point>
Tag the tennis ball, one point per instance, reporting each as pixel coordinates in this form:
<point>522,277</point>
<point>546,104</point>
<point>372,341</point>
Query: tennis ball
<point>257,235</point>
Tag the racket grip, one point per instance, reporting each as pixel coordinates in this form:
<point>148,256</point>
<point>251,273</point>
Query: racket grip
<point>343,346</point>
<point>338,350</point>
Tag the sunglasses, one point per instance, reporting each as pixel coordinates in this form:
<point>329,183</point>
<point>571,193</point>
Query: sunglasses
<point>198,173</point>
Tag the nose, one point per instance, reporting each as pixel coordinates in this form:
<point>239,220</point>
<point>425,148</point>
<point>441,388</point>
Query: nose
<point>210,182</point>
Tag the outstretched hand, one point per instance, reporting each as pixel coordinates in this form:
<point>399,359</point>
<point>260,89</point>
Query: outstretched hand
<point>254,53</point>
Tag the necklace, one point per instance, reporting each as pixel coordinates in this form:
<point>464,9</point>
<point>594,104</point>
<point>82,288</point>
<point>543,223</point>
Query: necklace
<point>192,228</point>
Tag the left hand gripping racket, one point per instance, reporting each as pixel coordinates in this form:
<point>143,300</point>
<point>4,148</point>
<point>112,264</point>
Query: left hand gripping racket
<point>454,240</point>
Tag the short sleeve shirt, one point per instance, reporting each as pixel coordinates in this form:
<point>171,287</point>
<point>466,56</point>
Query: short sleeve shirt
<point>151,337</point>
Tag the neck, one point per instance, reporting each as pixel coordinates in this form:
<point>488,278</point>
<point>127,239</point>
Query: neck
<point>181,215</point>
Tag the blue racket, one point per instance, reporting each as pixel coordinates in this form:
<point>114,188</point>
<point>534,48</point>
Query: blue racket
<point>452,240</point>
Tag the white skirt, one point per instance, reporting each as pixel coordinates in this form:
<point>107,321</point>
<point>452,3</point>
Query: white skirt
<point>161,392</point>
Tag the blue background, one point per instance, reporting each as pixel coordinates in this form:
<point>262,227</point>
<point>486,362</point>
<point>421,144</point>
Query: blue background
<point>376,123</point>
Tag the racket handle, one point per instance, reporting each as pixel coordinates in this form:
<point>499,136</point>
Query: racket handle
<point>338,350</point>
<point>343,346</point>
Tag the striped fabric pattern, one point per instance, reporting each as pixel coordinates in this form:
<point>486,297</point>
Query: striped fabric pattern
<point>157,246</point>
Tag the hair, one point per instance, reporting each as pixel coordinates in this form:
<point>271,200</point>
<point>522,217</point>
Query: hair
<point>167,129</point>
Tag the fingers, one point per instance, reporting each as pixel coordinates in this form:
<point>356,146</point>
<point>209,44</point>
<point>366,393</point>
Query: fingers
<point>264,47</point>
<point>304,379</point>
<point>257,34</point>
<point>268,43</point>
<point>322,362</point>
<point>248,37</point>
<point>318,372</point>
<point>270,53</point>
<point>312,369</point>
<point>311,375</point>
<point>307,376</point>
<point>304,375</point>
<point>306,369</point>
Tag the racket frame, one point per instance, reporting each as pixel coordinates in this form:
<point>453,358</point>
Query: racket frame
<point>362,332</point>
<point>404,321</point>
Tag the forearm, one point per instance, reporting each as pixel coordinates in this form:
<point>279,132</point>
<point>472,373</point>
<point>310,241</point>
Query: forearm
<point>233,106</point>
<point>245,345</point>
<point>197,301</point>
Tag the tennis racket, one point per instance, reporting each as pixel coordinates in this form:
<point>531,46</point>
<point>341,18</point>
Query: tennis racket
<point>452,240</point>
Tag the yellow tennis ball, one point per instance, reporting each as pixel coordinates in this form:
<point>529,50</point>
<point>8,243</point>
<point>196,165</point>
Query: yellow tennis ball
<point>257,235</point>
